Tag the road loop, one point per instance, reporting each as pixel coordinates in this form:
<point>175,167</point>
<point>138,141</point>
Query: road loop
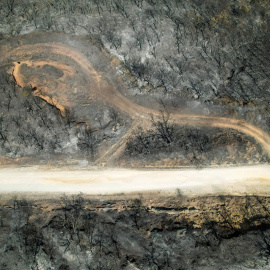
<point>61,74</point>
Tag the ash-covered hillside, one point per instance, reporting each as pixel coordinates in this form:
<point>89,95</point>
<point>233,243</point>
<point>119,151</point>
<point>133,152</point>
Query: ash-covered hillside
<point>136,232</point>
<point>214,52</point>
<point>207,58</point>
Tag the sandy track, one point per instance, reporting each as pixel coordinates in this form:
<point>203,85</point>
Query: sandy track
<point>234,180</point>
<point>76,67</point>
<point>116,150</point>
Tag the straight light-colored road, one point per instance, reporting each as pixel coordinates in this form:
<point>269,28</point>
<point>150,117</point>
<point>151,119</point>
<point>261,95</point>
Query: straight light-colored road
<point>233,180</point>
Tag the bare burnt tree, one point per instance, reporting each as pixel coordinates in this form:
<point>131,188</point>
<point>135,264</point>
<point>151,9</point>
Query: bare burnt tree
<point>10,4</point>
<point>137,211</point>
<point>88,141</point>
<point>163,126</point>
<point>73,210</point>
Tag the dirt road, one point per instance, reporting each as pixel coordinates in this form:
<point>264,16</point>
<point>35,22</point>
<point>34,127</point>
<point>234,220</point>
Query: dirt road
<point>78,74</point>
<point>234,180</point>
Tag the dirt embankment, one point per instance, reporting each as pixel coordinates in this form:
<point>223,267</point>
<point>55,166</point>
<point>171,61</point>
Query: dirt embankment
<point>150,231</point>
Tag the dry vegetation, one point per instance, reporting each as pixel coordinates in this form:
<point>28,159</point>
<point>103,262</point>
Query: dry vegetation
<point>207,58</point>
<point>135,232</point>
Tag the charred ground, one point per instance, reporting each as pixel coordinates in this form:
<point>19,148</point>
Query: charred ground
<point>181,58</point>
<point>151,231</point>
<point>134,83</point>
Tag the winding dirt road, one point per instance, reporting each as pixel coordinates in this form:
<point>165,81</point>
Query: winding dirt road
<point>68,77</point>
